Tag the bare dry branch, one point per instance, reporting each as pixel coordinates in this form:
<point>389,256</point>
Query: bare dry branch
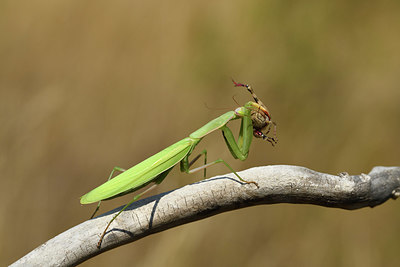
<point>277,184</point>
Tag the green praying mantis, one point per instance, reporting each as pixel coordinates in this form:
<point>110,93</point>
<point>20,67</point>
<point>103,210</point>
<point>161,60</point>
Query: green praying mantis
<point>256,121</point>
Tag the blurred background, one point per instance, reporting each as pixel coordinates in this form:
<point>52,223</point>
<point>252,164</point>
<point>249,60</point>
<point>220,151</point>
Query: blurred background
<point>89,85</point>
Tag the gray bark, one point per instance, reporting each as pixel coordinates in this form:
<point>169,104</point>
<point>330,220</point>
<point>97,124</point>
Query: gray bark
<point>277,184</point>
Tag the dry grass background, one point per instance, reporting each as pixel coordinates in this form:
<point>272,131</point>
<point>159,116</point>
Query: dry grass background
<point>88,85</point>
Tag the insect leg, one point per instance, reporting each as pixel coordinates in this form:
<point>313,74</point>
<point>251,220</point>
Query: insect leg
<point>157,181</point>
<point>227,165</point>
<point>127,205</point>
<point>204,152</point>
<point>119,169</point>
<point>251,91</point>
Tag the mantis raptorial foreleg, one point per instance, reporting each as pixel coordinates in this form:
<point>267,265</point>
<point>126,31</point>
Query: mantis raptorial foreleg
<point>238,149</point>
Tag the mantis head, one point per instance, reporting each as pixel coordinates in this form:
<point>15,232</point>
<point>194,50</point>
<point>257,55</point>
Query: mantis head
<point>260,117</point>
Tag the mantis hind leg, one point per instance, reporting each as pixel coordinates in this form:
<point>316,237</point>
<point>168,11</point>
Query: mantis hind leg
<point>185,165</point>
<point>127,205</point>
<point>156,181</point>
<point>227,165</point>
<point>119,169</point>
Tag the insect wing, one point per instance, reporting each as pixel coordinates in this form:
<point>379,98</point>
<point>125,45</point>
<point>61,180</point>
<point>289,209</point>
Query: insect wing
<point>140,174</point>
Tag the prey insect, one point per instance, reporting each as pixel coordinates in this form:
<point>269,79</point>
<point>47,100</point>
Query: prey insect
<point>255,121</point>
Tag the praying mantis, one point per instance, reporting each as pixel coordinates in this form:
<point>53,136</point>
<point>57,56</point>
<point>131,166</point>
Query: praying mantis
<point>255,121</point>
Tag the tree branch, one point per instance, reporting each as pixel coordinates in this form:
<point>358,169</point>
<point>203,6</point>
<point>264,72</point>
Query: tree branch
<point>277,184</point>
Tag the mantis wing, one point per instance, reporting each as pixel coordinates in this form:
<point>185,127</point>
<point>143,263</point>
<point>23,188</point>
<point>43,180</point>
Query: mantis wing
<point>140,174</point>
